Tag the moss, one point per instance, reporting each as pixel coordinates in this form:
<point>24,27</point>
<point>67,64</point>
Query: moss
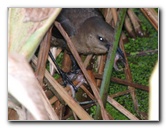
<point>141,68</point>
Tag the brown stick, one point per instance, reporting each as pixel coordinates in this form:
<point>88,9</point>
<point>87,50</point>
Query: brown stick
<point>93,79</point>
<point>58,51</point>
<point>129,78</point>
<point>152,16</point>
<point>135,22</point>
<point>131,84</point>
<point>115,16</point>
<point>107,14</point>
<point>53,99</point>
<point>120,94</point>
<point>144,53</point>
<point>67,98</point>
<point>55,52</point>
<point>43,55</point>
<point>87,92</point>
<point>101,68</point>
<point>125,82</point>
<point>129,27</point>
<point>87,60</point>
<point>121,108</point>
<point>51,68</point>
<point>66,63</point>
<point>70,112</point>
<point>81,65</point>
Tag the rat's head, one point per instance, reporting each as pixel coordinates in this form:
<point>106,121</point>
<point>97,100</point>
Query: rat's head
<point>94,36</point>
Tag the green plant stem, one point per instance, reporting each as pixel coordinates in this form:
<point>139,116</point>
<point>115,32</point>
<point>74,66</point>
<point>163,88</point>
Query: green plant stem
<point>110,62</point>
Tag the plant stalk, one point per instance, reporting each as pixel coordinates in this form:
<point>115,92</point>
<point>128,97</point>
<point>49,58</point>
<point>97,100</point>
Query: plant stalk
<point>110,62</point>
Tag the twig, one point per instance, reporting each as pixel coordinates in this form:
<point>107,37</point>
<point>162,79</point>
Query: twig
<point>101,68</point>
<point>51,68</point>
<point>129,78</point>
<point>42,57</point>
<point>121,108</point>
<point>152,16</point>
<point>67,98</point>
<point>129,27</point>
<point>66,63</point>
<point>120,94</point>
<point>87,60</point>
<point>75,116</point>
<point>87,92</point>
<point>143,53</point>
<point>135,22</point>
<point>81,65</point>
<point>107,14</point>
<point>55,52</point>
<point>114,14</point>
<point>125,82</point>
<point>110,62</point>
<point>53,99</point>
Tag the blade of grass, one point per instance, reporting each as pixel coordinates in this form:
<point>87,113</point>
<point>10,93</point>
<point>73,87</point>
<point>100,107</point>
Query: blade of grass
<point>110,62</point>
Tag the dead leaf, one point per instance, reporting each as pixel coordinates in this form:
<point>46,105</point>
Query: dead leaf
<point>37,14</point>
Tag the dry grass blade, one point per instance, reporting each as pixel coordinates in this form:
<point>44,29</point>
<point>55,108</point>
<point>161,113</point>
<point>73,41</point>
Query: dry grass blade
<point>131,84</point>
<point>120,93</point>
<point>129,78</point>
<point>87,92</point>
<point>68,99</point>
<point>66,63</point>
<point>121,108</point>
<point>115,16</point>
<point>135,22</point>
<point>58,51</point>
<point>87,60</point>
<point>81,65</point>
<point>53,99</point>
<point>152,16</point>
<point>101,67</point>
<point>107,14</point>
<point>129,27</point>
<point>42,57</point>
<point>51,67</point>
<point>124,82</point>
<point>81,113</point>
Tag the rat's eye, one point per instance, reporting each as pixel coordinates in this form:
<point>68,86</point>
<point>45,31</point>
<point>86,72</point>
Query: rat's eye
<point>101,38</point>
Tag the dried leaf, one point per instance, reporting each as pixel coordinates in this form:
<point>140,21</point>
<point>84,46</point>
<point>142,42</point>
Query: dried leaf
<point>37,14</point>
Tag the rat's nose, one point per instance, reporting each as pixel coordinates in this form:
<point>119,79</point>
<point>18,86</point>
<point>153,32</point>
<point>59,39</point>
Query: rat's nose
<point>107,46</point>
